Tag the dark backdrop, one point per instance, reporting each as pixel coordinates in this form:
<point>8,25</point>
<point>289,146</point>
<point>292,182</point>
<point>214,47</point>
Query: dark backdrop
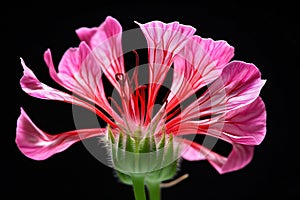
<point>252,29</point>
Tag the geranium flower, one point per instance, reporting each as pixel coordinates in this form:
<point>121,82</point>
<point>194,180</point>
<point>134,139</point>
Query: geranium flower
<point>230,109</point>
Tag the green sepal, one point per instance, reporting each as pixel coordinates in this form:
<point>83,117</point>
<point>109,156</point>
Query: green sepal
<point>124,178</point>
<point>150,157</point>
<point>144,146</point>
<point>162,141</point>
<point>153,144</point>
<point>130,144</point>
<point>168,157</point>
<point>111,136</point>
<point>120,141</point>
<point>168,172</point>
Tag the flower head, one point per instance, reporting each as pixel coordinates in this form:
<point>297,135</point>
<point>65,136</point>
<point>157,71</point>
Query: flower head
<point>229,109</point>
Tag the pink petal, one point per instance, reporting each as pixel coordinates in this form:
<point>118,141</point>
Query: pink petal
<point>246,125</point>
<point>105,42</point>
<point>80,73</point>
<point>199,63</point>
<point>211,127</point>
<point>191,151</point>
<point>164,41</point>
<point>239,157</point>
<point>94,36</point>
<point>32,86</point>
<point>38,145</point>
<point>239,84</point>
<point>73,59</point>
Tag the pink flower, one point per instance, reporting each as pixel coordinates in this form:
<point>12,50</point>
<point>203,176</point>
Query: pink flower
<point>230,109</point>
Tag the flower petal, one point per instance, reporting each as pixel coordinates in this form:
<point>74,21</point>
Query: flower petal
<point>164,42</point>
<point>199,63</point>
<point>79,72</point>
<point>105,42</point>
<point>38,145</point>
<point>238,158</point>
<point>239,85</point>
<point>246,125</point>
<point>32,86</point>
<point>191,150</point>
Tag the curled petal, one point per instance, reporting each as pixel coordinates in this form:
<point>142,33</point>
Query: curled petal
<point>38,145</point>
<point>105,42</point>
<point>96,35</point>
<point>32,86</point>
<point>239,157</point>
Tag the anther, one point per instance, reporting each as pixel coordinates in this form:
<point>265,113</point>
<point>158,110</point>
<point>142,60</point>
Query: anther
<point>119,77</point>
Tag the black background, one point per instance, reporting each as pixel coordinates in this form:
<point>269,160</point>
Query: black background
<point>258,34</point>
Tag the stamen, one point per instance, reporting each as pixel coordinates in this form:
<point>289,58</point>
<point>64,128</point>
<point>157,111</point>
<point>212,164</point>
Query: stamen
<point>135,87</point>
<point>116,105</point>
<point>142,97</point>
<point>137,59</point>
<point>121,78</point>
<point>174,182</point>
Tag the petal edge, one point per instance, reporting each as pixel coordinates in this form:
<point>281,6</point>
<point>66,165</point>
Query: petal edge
<point>38,145</point>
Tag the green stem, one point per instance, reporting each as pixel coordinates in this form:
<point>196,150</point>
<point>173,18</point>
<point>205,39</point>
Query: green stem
<point>154,190</point>
<point>138,187</point>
